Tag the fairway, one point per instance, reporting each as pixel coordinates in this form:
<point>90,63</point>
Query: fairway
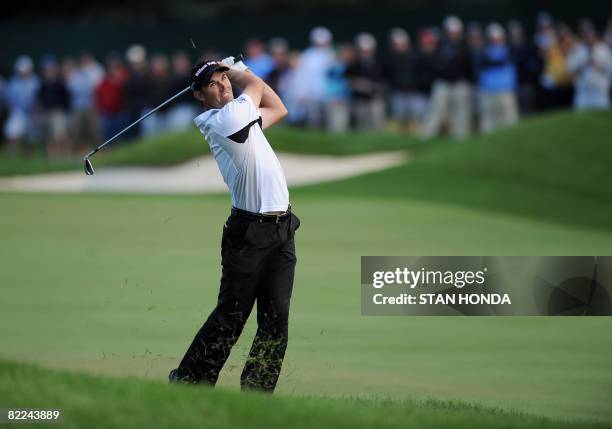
<point>119,284</point>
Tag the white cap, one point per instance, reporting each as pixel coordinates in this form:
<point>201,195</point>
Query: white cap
<point>365,42</point>
<point>399,35</point>
<point>136,54</point>
<point>320,36</point>
<point>453,24</point>
<point>24,64</point>
<point>495,31</point>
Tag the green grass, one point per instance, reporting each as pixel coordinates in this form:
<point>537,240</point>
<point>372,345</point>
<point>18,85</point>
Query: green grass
<point>119,284</point>
<point>104,402</point>
<point>174,148</point>
<point>554,145</point>
<point>11,166</point>
<point>555,167</point>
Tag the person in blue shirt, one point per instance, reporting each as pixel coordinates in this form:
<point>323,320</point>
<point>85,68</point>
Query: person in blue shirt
<point>20,99</point>
<point>53,104</point>
<point>497,82</point>
<point>257,59</point>
<point>338,91</point>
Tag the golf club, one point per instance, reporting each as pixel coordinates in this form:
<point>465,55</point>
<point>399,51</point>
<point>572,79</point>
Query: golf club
<point>89,170</point>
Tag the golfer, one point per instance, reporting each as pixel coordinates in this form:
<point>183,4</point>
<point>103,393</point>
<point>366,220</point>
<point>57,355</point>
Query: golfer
<point>257,249</point>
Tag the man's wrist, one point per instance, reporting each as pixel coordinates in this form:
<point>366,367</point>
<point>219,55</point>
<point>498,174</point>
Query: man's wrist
<point>233,73</point>
<point>240,66</point>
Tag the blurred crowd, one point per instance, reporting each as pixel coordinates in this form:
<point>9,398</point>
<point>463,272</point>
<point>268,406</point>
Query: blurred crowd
<point>76,103</point>
<point>456,79</point>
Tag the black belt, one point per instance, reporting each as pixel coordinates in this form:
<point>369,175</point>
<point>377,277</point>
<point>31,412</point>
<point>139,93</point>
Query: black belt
<point>260,217</point>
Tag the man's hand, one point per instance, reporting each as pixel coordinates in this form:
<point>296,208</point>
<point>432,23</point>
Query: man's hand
<point>233,64</point>
<point>227,62</point>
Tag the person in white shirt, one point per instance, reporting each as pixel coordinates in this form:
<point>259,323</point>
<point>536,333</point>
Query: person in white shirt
<point>591,64</point>
<point>257,249</point>
<point>312,73</point>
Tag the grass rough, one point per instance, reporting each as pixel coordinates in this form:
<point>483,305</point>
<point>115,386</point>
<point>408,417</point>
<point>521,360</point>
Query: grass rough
<point>90,401</point>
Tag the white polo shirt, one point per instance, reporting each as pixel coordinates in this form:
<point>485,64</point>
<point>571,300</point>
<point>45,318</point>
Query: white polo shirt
<point>248,164</point>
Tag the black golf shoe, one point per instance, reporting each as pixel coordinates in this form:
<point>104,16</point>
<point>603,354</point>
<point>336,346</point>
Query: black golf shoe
<point>174,377</point>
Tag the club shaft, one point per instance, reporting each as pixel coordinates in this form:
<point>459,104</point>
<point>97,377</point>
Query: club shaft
<point>137,121</point>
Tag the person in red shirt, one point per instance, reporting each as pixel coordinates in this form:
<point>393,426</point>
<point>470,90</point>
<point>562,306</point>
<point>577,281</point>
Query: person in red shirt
<point>110,98</point>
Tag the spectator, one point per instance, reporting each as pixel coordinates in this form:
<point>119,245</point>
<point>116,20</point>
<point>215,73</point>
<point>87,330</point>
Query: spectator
<point>496,82</point>
<point>283,78</point>
<point>591,64</point>
<point>181,113</point>
<point>607,36</point>
<point>289,90</point>
<point>555,80</point>
<point>407,106</point>
<point>257,59</point>
<point>338,91</point>
<point>567,41</point>
<point>54,102</point>
<point>110,99</point>
<point>425,65</point>
<point>366,80</point>
<point>161,86</point>
<point>3,113</point>
<point>527,66</point>
<point>20,100</point>
<point>544,34</point>
<point>311,77</point>
<point>279,49</point>
<point>475,37</point>
<point>476,43</point>
<point>81,81</point>
<point>137,87</point>
<point>451,95</point>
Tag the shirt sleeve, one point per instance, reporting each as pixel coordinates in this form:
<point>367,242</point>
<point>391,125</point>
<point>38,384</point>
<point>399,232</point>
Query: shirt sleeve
<point>236,115</point>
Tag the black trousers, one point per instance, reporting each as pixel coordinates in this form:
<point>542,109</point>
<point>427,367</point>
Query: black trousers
<point>258,264</point>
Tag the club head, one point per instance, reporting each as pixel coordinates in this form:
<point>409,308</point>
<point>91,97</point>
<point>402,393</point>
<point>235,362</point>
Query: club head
<point>89,170</point>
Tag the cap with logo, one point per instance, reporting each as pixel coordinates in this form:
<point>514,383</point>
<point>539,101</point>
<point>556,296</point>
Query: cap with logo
<point>203,71</point>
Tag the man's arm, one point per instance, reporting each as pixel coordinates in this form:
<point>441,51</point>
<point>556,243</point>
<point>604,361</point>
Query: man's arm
<point>250,84</point>
<point>270,105</point>
<point>272,108</point>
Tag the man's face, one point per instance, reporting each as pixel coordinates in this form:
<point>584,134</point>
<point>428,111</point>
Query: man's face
<point>217,93</point>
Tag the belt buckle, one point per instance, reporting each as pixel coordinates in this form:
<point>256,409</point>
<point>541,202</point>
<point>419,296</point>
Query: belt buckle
<point>278,216</point>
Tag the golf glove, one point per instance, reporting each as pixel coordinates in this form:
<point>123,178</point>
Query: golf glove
<point>229,62</point>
